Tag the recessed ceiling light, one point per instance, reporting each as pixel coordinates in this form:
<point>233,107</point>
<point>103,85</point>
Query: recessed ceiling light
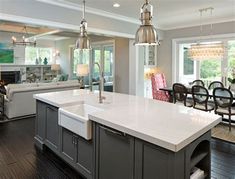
<point>116,5</point>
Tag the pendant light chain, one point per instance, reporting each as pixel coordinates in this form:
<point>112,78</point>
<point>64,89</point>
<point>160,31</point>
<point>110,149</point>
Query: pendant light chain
<point>83,41</point>
<point>211,23</point>
<point>84,9</point>
<point>200,25</point>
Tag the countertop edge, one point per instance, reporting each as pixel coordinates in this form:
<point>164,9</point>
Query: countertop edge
<point>35,96</point>
<point>150,139</point>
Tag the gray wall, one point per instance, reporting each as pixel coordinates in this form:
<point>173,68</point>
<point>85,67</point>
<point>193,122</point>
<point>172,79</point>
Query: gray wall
<point>64,60</point>
<point>122,65</point>
<point>165,49</point>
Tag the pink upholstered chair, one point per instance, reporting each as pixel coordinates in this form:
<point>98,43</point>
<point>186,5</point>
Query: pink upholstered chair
<point>159,81</point>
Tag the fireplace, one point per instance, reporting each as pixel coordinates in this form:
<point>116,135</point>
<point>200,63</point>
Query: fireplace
<point>10,76</point>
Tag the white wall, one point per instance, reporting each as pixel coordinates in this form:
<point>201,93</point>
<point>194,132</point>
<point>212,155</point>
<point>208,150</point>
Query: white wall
<point>165,49</point>
<point>136,69</point>
<point>64,60</point>
<point>132,68</point>
<point>122,65</point>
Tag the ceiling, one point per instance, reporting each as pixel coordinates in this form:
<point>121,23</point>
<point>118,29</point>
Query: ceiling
<point>7,26</point>
<point>42,33</point>
<point>168,14</point>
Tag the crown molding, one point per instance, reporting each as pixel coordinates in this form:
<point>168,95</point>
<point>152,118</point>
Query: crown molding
<point>74,6</point>
<point>59,25</point>
<point>232,19</point>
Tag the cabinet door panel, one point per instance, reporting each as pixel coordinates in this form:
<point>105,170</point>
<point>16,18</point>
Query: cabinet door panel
<point>115,154</point>
<point>84,154</point>
<point>52,128</point>
<point>68,147</point>
<point>155,163</point>
<point>40,120</point>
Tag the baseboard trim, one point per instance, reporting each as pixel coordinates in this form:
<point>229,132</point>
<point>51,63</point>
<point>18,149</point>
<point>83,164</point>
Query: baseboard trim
<point>38,143</point>
<point>20,117</point>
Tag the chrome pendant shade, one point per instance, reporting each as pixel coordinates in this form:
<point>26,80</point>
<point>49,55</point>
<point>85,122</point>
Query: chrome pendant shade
<point>83,41</point>
<point>146,34</point>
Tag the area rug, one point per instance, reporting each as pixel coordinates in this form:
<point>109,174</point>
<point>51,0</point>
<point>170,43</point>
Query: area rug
<point>221,131</point>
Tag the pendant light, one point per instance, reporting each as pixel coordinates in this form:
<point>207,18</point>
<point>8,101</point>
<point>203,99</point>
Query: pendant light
<point>25,41</point>
<point>206,51</point>
<point>146,34</point>
<point>83,41</point>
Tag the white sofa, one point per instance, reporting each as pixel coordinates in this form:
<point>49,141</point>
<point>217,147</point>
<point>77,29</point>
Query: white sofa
<point>19,101</point>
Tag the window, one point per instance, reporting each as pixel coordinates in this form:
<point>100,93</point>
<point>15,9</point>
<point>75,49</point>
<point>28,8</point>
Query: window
<point>33,53</point>
<point>103,54</point>
<point>209,70</point>
<point>231,54</point>
<point>187,67</point>
<point>188,63</point>
<point>108,61</point>
<point>96,53</point>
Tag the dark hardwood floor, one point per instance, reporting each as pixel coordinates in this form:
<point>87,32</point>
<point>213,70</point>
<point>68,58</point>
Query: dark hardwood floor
<point>19,159</point>
<point>222,160</point>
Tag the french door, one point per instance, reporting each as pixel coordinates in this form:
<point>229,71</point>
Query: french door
<point>103,53</point>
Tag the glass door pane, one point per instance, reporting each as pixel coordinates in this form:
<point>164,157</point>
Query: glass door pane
<point>96,57</point>
<point>187,67</point>
<point>79,57</point>
<point>108,68</point>
<point>210,70</point>
<point>231,54</point>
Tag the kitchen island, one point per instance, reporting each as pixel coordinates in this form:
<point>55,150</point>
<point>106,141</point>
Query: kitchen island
<point>126,137</point>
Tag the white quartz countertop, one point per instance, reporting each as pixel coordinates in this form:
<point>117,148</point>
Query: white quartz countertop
<point>167,125</point>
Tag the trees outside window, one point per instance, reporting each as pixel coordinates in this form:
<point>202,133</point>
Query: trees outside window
<point>231,54</point>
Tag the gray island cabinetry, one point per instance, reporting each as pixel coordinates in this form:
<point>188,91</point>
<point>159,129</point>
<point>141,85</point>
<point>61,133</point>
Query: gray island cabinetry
<point>47,128</point>
<point>119,155</point>
<point>122,144</point>
<point>75,150</point>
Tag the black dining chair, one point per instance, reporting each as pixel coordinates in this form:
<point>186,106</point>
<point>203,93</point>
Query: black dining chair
<point>180,95</point>
<point>223,99</point>
<point>215,84</point>
<point>198,82</point>
<point>200,98</point>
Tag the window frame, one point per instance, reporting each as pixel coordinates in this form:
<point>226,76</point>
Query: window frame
<point>224,38</point>
<point>50,59</point>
